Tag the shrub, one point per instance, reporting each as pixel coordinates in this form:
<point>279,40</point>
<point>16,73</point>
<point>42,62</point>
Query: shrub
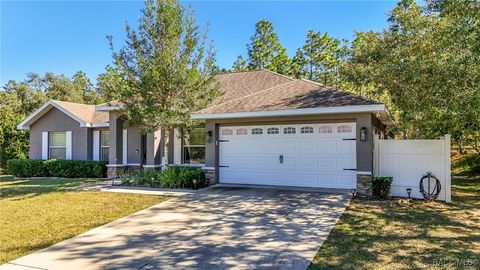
<point>56,168</point>
<point>193,178</point>
<point>75,168</point>
<point>381,187</point>
<point>172,177</point>
<point>26,168</point>
<point>183,177</point>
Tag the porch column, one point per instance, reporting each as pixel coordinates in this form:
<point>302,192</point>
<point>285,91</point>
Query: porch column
<point>115,155</point>
<point>154,149</point>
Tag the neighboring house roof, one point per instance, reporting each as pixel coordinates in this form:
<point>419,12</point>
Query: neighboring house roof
<point>85,115</point>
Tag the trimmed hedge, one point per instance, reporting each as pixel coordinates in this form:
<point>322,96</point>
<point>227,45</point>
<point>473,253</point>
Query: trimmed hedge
<point>172,177</point>
<point>381,187</point>
<point>56,168</point>
<point>26,168</point>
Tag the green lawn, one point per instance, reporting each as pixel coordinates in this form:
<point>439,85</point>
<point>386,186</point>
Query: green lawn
<point>404,234</point>
<point>5,177</point>
<point>35,214</point>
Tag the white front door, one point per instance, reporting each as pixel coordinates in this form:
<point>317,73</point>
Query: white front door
<point>307,155</point>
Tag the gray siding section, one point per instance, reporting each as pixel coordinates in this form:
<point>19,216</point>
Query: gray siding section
<point>364,149</point>
<point>55,120</point>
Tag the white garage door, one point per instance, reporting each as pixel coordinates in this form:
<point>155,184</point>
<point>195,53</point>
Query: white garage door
<point>310,155</point>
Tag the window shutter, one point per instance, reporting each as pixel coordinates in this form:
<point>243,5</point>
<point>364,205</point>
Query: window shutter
<point>124,146</point>
<point>96,145</point>
<point>68,145</point>
<point>44,145</point>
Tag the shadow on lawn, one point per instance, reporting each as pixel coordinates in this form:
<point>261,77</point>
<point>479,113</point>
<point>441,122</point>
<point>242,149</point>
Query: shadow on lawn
<point>27,188</point>
<point>406,234</point>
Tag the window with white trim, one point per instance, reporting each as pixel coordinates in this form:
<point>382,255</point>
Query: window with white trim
<point>307,129</point>
<point>257,131</point>
<point>273,130</point>
<point>193,146</point>
<point>227,131</point>
<point>242,131</point>
<point>344,129</point>
<point>289,130</point>
<point>104,145</point>
<point>57,145</point>
<point>325,129</point>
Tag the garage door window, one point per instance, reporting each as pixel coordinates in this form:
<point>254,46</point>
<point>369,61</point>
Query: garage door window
<point>344,129</point>
<point>227,132</point>
<point>325,129</point>
<point>257,131</point>
<point>242,131</point>
<point>193,146</point>
<point>273,131</point>
<point>289,130</point>
<point>306,130</point>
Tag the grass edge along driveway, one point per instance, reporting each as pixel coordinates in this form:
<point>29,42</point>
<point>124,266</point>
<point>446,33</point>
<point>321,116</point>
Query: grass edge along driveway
<point>404,234</point>
<point>37,213</point>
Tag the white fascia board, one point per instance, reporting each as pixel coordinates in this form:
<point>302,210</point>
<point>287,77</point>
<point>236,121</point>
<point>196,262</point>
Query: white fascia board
<point>25,124</point>
<point>308,111</point>
<point>97,125</point>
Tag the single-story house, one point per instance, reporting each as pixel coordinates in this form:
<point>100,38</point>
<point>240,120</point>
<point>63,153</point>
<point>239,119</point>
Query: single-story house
<point>265,129</point>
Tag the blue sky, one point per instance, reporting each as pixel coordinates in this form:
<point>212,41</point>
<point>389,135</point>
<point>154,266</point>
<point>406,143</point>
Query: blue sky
<point>65,36</point>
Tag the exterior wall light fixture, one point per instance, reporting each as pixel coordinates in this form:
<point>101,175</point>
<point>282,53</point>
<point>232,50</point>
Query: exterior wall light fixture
<point>363,134</point>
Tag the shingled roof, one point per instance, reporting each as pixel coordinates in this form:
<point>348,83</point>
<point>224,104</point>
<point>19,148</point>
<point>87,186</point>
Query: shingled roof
<point>263,90</point>
<point>86,113</point>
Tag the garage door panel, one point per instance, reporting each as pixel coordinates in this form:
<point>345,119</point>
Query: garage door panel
<point>289,146</point>
<point>345,147</point>
<point>274,145</point>
<point>308,162</point>
<point>326,146</point>
<point>309,159</point>
<point>345,163</point>
<point>307,147</point>
<point>346,181</point>
<point>289,161</point>
<point>326,179</point>
<point>326,162</point>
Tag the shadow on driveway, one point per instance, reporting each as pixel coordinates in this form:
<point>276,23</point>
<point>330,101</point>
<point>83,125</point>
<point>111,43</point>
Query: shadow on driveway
<point>217,228</point>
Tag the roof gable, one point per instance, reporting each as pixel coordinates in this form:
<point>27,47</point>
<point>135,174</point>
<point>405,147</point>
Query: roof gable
<point>85,115</point>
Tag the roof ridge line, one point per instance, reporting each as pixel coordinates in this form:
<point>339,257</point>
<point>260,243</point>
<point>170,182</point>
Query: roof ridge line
<point>278,74</point>
<point>268,89</point>
<point>238,71</point>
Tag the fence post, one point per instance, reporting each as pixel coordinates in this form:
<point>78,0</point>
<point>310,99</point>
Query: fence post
<point>448,174</point>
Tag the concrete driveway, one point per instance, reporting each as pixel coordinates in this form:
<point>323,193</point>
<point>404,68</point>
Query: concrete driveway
<point>217,228</point>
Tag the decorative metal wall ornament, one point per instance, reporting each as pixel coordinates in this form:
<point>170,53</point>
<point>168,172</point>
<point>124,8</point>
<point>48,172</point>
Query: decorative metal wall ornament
<point>430,186</point>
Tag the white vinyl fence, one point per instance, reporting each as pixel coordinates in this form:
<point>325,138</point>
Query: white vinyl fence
<point>408,160</point>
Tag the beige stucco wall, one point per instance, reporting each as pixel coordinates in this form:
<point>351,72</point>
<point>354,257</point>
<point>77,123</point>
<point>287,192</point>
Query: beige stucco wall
<point>364,148</point>
<point>55,120</point>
